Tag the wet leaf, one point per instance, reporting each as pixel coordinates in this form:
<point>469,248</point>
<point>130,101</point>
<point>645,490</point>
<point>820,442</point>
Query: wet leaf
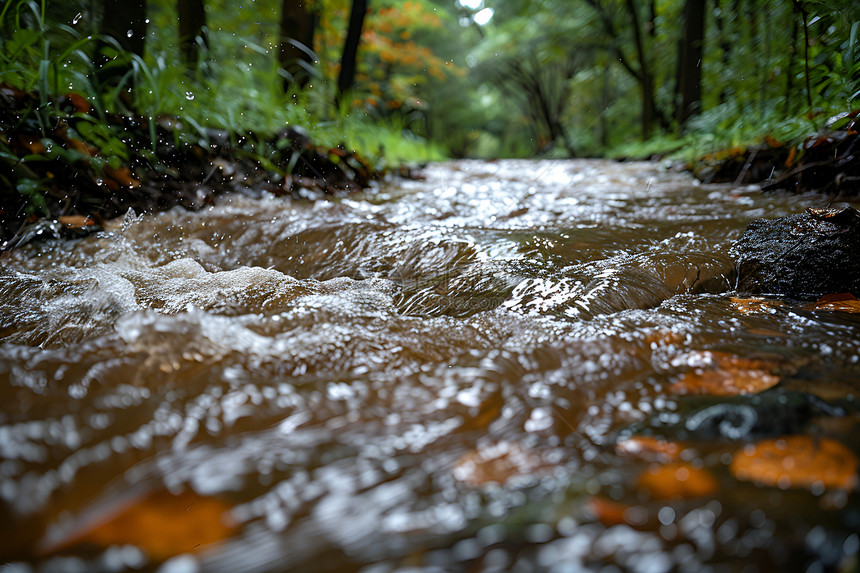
<point>497,464</point>
<point>650,448</point>
<point>755,305</point>
<point>662,338</point>
<point>724,374</point>
<point>78,103</point>
<point>792,157</point>
<point>843,302</point>
<point>772,142</point>
<point>797,462</point>
<point>160,523</point>
<point>76,221</point>
<point>122,176</point>
<point>677,480</point>
<point>610,512</point>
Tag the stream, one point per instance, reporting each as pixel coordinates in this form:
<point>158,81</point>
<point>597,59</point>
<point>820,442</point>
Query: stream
<point>447,374</point>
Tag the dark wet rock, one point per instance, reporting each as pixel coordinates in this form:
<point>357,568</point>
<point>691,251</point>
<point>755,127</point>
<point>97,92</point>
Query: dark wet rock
<point>802,256</point>
<point>747,418</point>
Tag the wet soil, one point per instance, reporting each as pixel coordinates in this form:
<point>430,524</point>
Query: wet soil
<point>74,169</point>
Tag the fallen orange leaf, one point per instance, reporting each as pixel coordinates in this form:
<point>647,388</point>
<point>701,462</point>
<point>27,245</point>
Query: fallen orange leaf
<point>78,102</point>
<point>843,302</point>
<point>663,338</point>
<point>792,157</point>
<point>160,523</point>
<point>678,480</point>
<point>122,176</point>
<point>724,374</point>
<point>32,144</point>
<point>497,464</point>
<point>754,305</point>
<point>76,221</point>
<point>608,512</point>
<point>650,448</point>
<point>81,147</point>
<point>772,142</point>
<point>797,462</point>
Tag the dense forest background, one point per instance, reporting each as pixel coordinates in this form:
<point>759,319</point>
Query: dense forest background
<point>430,78</point>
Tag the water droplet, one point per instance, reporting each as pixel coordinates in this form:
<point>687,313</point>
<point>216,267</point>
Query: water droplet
<point>77,18</point>
<point>189,96</point>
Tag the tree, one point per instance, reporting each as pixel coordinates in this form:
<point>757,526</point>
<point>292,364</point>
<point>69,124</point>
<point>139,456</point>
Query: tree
<point>125,23</point>
<point>544,88</point>
<point>689,78</point>
<point>346,76</point>
<point>641,70</point>
<point>192,30</point>
<point>296,42</point>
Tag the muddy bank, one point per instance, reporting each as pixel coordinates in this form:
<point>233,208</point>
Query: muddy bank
<point>79,166</point>
<point>827,162</point>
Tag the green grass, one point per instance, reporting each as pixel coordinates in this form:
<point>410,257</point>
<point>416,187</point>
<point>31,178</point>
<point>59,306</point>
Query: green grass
<point>236,89</point>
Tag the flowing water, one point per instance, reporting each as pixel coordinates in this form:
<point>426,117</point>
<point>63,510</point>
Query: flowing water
<point>437,375</point>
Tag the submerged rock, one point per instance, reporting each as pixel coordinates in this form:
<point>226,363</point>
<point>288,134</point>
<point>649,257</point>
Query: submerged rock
<point>772,413</point>
<point>802,256</point>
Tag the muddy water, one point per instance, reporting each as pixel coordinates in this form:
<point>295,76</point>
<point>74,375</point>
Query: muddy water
<point>437,375</point>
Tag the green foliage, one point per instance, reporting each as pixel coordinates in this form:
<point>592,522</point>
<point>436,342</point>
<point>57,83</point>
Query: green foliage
<point>541,76</point>
<point>32,190</point>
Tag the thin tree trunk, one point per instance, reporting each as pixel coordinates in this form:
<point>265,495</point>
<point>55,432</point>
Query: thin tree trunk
<point>789,75</point>
<point>720,20</point>
<point>689,87</point>
<point>346,77</point>
<point>192,26</point>
<point>804,17</point>
<point>603,121</point>
<point>649,107</point>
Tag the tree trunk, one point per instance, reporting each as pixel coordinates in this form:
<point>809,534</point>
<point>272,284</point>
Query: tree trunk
<point>689,86</point>
<point>789,67</point>
<point>721,20</point>
<point>296,50</point>
<point>192,30</point>
<point>641,73</point>
<point>125,22</point>
<point>646,79</point>
<point>346,78</point>
<point>804,16</point>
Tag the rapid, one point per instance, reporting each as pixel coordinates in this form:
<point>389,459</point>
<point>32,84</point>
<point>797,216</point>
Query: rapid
<point>441,374</point>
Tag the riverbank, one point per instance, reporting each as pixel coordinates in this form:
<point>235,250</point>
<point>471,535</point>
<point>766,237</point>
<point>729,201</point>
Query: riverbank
<point>66,170</point>
<point>77,167</point>
<point>827,161</point>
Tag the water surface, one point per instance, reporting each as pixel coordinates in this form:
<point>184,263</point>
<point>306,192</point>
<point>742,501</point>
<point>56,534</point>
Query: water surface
<point>432,376</point>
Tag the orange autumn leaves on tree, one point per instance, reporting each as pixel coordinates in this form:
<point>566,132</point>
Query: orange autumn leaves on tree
<point>392,62</point>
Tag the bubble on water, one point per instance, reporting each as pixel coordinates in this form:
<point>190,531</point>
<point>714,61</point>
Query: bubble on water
<point>189,96</point>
